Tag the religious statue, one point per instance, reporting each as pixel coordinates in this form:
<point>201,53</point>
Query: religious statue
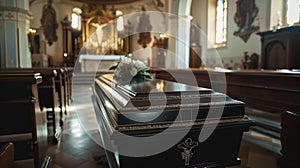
<point>144,29</point>
<point>187,147</point>
<point>244,17</point>
<point>250,62</point>
<point>159,52</point>
<point>49,24</point>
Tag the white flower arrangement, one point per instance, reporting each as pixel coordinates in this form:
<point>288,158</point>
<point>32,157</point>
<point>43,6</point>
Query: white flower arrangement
<point>129,70</point>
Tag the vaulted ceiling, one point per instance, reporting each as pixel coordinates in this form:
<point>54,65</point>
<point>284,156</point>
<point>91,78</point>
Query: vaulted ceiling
<point>106,2</point>
<point>99,2</point>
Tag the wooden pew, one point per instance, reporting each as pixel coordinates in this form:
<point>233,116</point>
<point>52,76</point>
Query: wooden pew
<point>63,83</point>
<point>270,91</point>
<point>48,99</point>
<point>60,82</point>
<point>22,122</point>
<point>7,155</point>
<point>290,139</point>
<point>47,96</point>
<point>69,76</point>
<point>65,89</point>
<point>60,89</point>
<point>277,90</point>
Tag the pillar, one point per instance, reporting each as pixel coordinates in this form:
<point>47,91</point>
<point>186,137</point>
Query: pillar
<point>14,25</point>
<point>182,44</point>
<point>67,40</point>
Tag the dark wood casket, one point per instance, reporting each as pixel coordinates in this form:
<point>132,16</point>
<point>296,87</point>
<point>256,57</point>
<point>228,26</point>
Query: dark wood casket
<point>157,123</point>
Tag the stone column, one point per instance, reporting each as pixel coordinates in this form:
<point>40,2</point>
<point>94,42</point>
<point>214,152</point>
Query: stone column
<point>84,27</point>
<point>14,25</point>
<point>67,36</point>
<point>182,44</point>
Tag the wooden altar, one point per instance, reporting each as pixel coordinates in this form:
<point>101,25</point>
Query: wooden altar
<point>98,63</point>
<point>116,110</point>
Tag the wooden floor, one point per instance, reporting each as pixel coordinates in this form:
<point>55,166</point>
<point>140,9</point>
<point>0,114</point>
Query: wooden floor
<point>78,146</point>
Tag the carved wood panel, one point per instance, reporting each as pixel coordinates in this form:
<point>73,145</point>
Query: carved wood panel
<point>280,48</point>
<point>276,55</point>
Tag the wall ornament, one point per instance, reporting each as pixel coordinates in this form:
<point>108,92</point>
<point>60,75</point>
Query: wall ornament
<point>144,28</point>
<point>49,24</point>
<point>244,17</point>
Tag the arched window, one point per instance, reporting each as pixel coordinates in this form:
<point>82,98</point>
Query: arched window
<point>292,11</point>
<point>217,23</point>
<point>221,22</point>
<point>284,13</point>
<point>76,18</point>
<point>120,20</point>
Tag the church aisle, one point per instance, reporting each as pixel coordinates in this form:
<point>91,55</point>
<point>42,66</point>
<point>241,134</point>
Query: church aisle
<point>76,148</point>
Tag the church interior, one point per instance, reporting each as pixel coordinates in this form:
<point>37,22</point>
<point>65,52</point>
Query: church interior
<point>94,83</point>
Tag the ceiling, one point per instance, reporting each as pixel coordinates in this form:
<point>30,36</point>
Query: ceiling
<point>106,2</point>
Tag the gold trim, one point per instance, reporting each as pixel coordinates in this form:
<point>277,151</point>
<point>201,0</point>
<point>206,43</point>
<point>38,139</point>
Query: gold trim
<point>181,124</point>
<point>106,2</point>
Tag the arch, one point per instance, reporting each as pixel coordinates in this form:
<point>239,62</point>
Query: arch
<point>182,50</point>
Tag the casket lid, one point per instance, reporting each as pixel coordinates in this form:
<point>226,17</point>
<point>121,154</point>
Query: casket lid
<point>124,102</point>
<point>157,91</point>
<point>142,88</point>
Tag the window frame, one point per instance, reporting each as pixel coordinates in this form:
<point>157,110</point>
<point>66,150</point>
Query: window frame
<point>79,19</point>
<point>224,25</point>
<point>212,25</point>
<point>285,6</point>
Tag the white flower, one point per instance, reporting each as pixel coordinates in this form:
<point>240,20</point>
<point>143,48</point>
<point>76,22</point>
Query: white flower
<point>126,60</point>
<point>133,71</point>
<point>128,69</point>
<point>140,65</point>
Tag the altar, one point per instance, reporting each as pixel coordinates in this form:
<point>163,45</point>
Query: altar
<point>157,123</point>
<point>97,63</point>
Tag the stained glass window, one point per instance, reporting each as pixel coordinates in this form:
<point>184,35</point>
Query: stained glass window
<point>221,22</point>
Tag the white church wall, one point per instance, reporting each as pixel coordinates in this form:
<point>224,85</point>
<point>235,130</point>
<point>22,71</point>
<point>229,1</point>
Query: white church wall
<point>62,10</point>
<point>235,48</point>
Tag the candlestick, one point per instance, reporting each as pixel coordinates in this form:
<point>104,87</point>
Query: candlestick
<point>278,20</point>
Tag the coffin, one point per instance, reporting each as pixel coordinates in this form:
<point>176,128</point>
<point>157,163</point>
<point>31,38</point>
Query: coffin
<point>156,123</point>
